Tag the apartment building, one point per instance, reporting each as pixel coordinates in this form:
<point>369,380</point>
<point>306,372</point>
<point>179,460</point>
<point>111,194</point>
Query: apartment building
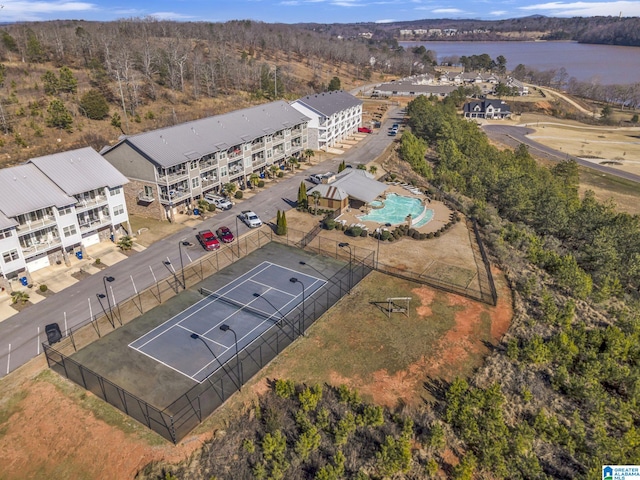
<point>53,206</point>
<point>170,168</point>
<point>334,116</point>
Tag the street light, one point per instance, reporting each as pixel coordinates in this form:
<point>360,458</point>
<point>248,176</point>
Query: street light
<point>105,279</point>
<point>225,328</point>
<point>237,236</point>
<point>100,296</point>
<point>282,317</point>
<point>195,336</point>
<point>180,244</point>
<point>295,280</point>
<point>342,245</point>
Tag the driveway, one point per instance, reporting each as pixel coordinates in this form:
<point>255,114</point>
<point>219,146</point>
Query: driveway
<point>21,334</point>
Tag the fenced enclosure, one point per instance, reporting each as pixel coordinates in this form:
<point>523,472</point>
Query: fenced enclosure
<point>180,416</point>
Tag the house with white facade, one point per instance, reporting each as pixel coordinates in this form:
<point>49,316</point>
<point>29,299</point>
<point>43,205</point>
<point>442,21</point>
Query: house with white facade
<point>171,168</point>
<point>494,109</point>
<point>53,206</point>
<point>334,116</point>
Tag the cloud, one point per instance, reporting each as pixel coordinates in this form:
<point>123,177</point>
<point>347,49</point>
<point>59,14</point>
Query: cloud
<point>171,16</point>
<point>347,3</point>
<point>499,13</point>
<point>33,11</point>
<point>447,10</point>
<point>385,20</point>
<point>586,9</point>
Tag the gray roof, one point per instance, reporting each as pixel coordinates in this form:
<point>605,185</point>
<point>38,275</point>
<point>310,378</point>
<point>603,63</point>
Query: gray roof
<point>409,87</point>
<point>328,103</point>
<point>357,184</point>
<point>173,145</point>
<point>78,171</point>
<point>25,189</point>
<point>6,222</point>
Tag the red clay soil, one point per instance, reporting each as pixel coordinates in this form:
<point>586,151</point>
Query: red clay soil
<point>451,355</point>
<point>64,441</point>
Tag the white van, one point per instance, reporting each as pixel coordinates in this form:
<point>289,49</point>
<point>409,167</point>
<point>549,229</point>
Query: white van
<point>220,202</point>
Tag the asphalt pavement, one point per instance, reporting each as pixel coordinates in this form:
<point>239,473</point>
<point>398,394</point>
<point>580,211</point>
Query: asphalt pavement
<point>21,334</point>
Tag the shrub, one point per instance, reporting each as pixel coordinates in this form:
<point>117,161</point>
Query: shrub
<point>423,236</point>
<point>44,288</point>
<point>238,194</point>
<point>260,183</point>
<point>364,233</point>
<point>98,261</point>
<point>285,388</point>
<point>280,174</point>
<point>211,207</point>
<point>416,235</point>
<point>430,235</point>
<point>354,231</point>
<point>437,234</point>
<point>329,224</point>
<point>411,232</point>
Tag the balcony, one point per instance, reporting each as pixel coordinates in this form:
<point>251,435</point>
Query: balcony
<point>41,246</point>
<point>257,146</point>
<point>208,181</point>
<point>144,198</point>
<point>172,177</point>
<point>258,162</point>
<point>236,171</point>
<point>88,203</point>
<point>94,224</point>
<point>32,225</point>
<point>208,165</point>
<point>174,196</point>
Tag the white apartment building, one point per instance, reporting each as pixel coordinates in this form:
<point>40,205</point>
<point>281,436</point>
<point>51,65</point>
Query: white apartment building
<point>53,206</point>
<point>334,116</point>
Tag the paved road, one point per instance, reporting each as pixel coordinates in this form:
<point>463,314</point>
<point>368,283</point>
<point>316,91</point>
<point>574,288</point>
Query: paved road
<point>19,337</point>
<point>514,135</point>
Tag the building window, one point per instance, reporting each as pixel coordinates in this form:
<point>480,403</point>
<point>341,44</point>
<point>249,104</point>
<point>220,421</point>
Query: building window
<point>193,165</point>
<point>148,191</point>
<point>10,256</point>
<point>69,230</point>
<point>195,182</point>
<point>223,171</point>
<point>5,233</point>
<point>118,210</point>
<point>64,211</point>
<point>115,191</point>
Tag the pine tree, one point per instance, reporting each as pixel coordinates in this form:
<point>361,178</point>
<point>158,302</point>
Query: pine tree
<point>277,221</point>
<point>59,116</point>
<point>303,201</point>
<point>342,166</point>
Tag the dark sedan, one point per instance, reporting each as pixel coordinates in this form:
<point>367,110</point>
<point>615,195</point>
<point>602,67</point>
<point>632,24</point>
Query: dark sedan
<point>225,235</point>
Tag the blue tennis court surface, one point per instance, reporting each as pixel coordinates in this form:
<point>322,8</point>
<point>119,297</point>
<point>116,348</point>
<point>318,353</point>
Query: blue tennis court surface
<point>193,343</point>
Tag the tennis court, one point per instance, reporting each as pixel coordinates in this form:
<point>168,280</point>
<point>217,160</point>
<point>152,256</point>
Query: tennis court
<point>202,339</point>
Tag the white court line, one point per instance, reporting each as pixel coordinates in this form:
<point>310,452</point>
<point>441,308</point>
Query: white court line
<point>206,300</point>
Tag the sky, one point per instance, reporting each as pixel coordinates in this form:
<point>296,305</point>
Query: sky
<point>303,11</point>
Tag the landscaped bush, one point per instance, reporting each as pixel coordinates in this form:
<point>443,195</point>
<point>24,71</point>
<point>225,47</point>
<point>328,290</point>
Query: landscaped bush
<point>386,235</point>
<point>416,235</point>
<point>211,207</point>
<point>423,236</point>
<point>280,174</point>
<point>364,233</point>
<point>44,288</point>
<point>261,184</point>
<point>437,234</point>
<point>354,231</point>
<point>239,194</point>
<point>329,224</point>
<point>430,235</point>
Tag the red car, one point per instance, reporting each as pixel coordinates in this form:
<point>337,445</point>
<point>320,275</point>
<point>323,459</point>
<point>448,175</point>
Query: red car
<point>364,130</point>
<point>208,240</point>
<point>225,235</point>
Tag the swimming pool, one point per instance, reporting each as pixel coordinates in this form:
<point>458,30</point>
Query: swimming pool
<point>395,210</point>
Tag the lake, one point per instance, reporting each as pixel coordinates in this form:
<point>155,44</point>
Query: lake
<point>604,64</point>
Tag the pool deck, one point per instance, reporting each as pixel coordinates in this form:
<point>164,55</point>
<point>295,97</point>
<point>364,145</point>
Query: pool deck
<point>440,212</point>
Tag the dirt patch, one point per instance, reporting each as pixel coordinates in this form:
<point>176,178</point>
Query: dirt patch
<point>426,296</point>
<point>51,436</point>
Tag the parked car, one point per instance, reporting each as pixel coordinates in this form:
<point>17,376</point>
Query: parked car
<point>220,202</point>
<point>318,178</point>
<point>251,219</point>
<point>208,240</point>
<point>54,335</point>
<point>225,235</point>
<point>364,130</point>
<point>393,133</point>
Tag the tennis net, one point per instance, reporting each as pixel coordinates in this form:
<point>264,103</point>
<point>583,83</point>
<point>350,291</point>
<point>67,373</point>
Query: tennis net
<point>239,305</point>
